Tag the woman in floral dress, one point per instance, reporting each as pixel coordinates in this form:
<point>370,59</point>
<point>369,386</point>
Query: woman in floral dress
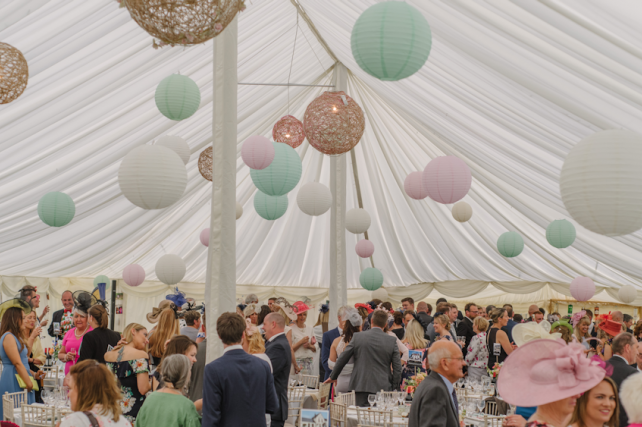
<point>130,365</point>
<point>477,353</point>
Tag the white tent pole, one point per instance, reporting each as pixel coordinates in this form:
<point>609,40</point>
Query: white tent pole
<point>338,279</point>
<point>220,288</point>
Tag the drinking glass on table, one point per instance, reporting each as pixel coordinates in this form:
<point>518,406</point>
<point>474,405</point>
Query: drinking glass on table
<point>372,398</point>
<point>480,406</point>
<point>45,394</point>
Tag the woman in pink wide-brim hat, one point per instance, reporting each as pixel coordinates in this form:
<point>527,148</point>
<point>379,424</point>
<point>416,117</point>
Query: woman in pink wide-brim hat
<point>551,375</point>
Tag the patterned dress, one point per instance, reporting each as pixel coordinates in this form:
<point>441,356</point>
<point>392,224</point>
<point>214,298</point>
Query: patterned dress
<point>126,372</point>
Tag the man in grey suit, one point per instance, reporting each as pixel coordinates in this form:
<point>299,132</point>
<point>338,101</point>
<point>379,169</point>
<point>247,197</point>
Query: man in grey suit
<point>374,353</point>
<point>435,401</point>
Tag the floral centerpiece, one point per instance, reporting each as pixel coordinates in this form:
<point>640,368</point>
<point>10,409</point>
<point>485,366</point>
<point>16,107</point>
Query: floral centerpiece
<point>411,384</point>
<point>494,371</point>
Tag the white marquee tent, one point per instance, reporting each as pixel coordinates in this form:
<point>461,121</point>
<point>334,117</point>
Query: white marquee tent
<point>509,87</point>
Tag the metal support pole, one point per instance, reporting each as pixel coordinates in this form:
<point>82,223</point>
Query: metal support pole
<point>112,306</point>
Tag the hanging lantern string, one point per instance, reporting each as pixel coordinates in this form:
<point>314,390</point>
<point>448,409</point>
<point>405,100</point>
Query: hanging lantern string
<point>292,59</point>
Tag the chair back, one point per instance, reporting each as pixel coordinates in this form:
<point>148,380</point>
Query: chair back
<point>324,396</point>
<point>367,417</point>
<point>310,381</point>
<point>491,408</point>
<point>490,421</point>
<point>51,377</point>
<point>296,396</point>
<point>396,424</point>
<point>11,401</point>
<point>38,416</point>
<point>347,399</point>
<point>338,415</point>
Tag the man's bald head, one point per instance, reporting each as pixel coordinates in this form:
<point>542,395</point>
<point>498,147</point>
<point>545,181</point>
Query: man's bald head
<point>617,316</point>
<point>273,324</point>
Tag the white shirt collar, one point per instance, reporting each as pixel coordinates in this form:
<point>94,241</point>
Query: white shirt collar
<point>274,336</point>
<point>233,347</point>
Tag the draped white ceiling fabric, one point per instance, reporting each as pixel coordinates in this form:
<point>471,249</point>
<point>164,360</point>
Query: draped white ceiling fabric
<point>509,87</point>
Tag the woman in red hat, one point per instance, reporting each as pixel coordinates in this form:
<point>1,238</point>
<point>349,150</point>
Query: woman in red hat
<point>303,339</point>
<point>606,331</point>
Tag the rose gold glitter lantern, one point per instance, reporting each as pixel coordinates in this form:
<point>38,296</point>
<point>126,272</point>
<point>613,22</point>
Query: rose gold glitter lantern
<point>14,73</point>
<point>205,163</point>
<point>334,123</point>
<point>288,130</point>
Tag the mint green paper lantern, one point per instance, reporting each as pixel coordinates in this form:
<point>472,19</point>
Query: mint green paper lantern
<point>510,244</point>
<point>371,279</point>
<point>56,209</point>
<point>391,40</point>
<point>177,97</point>
<point>560,233</point>
<point>270,207</point>
<point>102,279</point>
<point>282,175</point>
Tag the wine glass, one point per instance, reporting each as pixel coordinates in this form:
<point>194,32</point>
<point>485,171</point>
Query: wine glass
<point>45,395</point>
<point>401,398</point>
<point>372,398</point>
<point>480,405</point>
<point>380,400</point>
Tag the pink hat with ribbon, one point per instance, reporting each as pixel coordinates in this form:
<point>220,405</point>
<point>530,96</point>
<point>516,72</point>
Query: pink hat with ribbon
<point>545,371</point>
<point>300,307</point>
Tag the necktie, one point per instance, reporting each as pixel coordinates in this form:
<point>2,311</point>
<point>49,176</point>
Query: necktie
<point>456,403</point>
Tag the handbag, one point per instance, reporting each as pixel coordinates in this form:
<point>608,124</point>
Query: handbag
<point>22,384</point>
<point>92,420</point>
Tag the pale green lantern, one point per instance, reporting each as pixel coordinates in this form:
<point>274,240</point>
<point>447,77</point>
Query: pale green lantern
<point>56,209</point>
<point>391,40</point>
<point>282,175</point>
<point>177,97</point>
<point>270,207</point>
<point>560,233</point>
<point>371,279</point>
<point>510,244</point>
<point>102,279</point>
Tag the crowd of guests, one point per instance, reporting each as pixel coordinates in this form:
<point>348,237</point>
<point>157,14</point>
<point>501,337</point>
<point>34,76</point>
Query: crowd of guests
<point>580,370</point>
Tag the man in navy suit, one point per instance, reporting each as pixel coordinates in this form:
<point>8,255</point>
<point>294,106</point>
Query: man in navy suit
<point>238,388</point>
<point>278,350</point>
<point>329,337</point>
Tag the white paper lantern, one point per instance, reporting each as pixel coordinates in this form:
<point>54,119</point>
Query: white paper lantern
<point>204,237</point>
<point>314,199</point>
<point>627,294</point>
<point>380,294</point>
<point>170,269</point>
<point>601,182</point>
<point>462,211</point>
<point>152,177</point>
<point>177,145</point>
<point>582,288</point>
<point>239,210</point>
<point>357,221</point>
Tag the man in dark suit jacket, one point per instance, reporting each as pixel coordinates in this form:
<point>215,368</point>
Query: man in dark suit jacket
<point>238,388</point>
<point>435,401</point>
<point>328,339</point>
<point>375,352</point>
<point>423,311</point>
<point>68,305</point>
<point>278,350</point>
<point>625,352</point>
<point>511,323</point>
<point>465,327</point>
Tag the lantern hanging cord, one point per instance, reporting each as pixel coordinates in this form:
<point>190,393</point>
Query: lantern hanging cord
<point>292,59</point>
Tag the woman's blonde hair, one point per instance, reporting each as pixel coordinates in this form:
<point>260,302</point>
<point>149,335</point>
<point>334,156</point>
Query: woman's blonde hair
<point>323,320</point>
<point>95,384</point>
<point>167,327</point>
<point>443,320</point>
<point>580,416</point>
<point>128,334</point>
<point>255,343</point>
<point>577,332</point>
<point>415,335</point>
<point>285,316</point>
<point>481,323</point>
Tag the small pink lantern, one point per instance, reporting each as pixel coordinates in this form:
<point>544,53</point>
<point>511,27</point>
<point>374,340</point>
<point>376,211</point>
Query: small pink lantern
<point>257,152</point>
<point>414,186</point>
<point>582,288</point>
<point>205,237</point>
<point>334,123</point>
<point>289,130</point>
<point>364,248</point>
<point>134,275</point>
<point>447,179</point>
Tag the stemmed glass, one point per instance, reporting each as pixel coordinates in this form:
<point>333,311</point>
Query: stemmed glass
<point>480,406</point>
<point>401,397</point>
<point>372,398</point>
<point>46,394</point>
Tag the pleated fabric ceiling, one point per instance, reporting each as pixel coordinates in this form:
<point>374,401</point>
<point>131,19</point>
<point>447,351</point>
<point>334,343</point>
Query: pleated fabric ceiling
<point>509,87</point>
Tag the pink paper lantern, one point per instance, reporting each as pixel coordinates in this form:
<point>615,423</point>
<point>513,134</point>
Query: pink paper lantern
<point>447,179</point>
<point>414,186</point>
<point>364,248</point>
<point>582,288</point>
<point>134,274</point>
<point>205,236</point>
<point>257,152</point>
<point>289,130</point>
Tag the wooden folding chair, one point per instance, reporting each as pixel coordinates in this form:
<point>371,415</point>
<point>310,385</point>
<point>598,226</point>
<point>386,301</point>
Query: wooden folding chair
<point>367,417</point>
<point>51,377</point>
<point>310,381</point>
<point>11,401</point>
<point>324,395</point>
<point>296,396</point>
<point>38,416</point>
<point>347,399</point>
<point>338,415</point>
<point>490,421</point>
